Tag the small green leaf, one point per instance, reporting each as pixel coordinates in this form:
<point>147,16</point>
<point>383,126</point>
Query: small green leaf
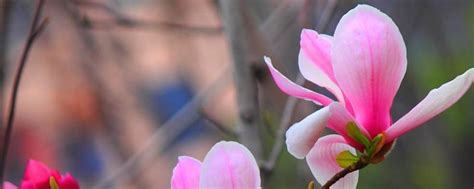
<point>354,132</point>
<point>346,159</point>
<point>53,183</point>
<point>372,149</point>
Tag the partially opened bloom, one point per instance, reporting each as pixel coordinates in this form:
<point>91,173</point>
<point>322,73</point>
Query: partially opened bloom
<point>226,165</point>
<point>39,176</point>
<point>362,65</point>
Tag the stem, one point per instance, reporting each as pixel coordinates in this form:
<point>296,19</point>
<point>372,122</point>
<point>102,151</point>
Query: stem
<point>363,162</point>
<point>35,30</point>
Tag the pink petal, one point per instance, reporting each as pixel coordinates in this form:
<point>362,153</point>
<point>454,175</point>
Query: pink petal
<point>369,59</point>
<point>322,161</point>
<point>186,173</point>
<point>314,61</point>
<point>36,170</point>
<point>317,76</point>
<point>434,103</point>
<point>338,121</point>
<point>317,49</point>
<point>229,165</point>
<point>301,136</point>
<point>293,89</point>
<point>8,185</point>
<point>67,181</point>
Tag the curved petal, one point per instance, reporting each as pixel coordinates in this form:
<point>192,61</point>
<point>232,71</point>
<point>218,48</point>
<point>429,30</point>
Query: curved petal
<point>229,165</point>
<point>186,173</point>
<point>301,136</point>
<point>317,49</point>
<point>369,59</point>
<point>36,170</point>
<point>68,181</point>
<point>338,121</point>
<point>8,185</point>
<point>314,61</point>
<point>434,103</point>
<point>315,75</point>
<point>293,89</point>
<point>37,175</point>
<point>322,161</point>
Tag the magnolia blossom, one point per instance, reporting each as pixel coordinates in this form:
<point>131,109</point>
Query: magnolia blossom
<point>226,165</point>
<point>8,185</point>
<point>39,176</point>
<point>362,65</point>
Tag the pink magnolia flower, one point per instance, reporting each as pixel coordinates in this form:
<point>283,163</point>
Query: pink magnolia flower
<point>39,176</point>
<point>362,65</point>
<point>226,165</point>
<point>8,185</point>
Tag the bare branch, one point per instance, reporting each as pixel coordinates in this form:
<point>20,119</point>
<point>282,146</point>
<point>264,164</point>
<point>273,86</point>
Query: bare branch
<point>241,30</point>
<point>32,36</point>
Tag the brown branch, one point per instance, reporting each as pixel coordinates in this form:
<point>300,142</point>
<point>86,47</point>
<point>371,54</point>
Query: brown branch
<point>245,43</point>
<point>35,30</point>
<point>363,162</point>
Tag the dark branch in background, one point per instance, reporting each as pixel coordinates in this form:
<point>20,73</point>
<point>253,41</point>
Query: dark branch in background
<point>291,102</point>
<point>221,127</point>
<point>121,20</point>
<point>35,30</point>
<point>243,37</point>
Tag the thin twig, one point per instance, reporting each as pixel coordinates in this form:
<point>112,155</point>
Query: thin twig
<point>221,127</point>
<point>35,30</point>
<point>291,102</point>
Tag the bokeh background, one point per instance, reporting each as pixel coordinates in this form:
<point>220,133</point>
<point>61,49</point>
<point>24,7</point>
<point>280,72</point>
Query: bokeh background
<point>110,80</point>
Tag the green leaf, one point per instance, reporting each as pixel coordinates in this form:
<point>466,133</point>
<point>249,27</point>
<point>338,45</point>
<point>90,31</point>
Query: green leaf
<point>346,159</point>
<point>53,183</point>
<point>373,145</point>
<point>354,132</point>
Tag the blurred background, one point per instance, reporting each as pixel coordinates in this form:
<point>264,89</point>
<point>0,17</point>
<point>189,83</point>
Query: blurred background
<point>115,90</point>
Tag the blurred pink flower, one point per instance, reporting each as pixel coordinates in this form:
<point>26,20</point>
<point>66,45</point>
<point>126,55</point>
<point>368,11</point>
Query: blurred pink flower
<point>39,176</point>
<point>226,165</point>
<point>8,185</point>
<point>362,65</point>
